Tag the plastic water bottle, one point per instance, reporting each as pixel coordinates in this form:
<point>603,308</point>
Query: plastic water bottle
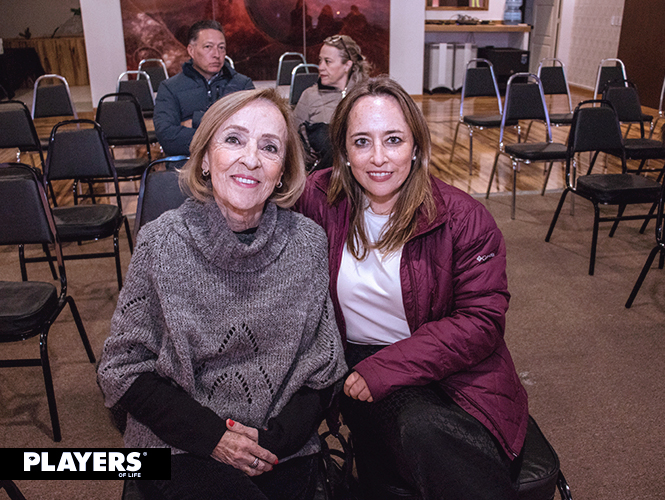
<point>512,13</point>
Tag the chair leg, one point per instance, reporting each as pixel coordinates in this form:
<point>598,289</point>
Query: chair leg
<point>50,261</point>
<point>643,274</point>
<point>118,269</point>
<point>48,383</point>
<point>452,151</point>
<point>622,208</point>
<point>470,151</point>
<point>516,166</point>
<point>556,214</point>
<point>81,329</point>
<point>594,238</point>
<point>489,186</point>
<point>547,178</point>
<point>12,490</point>
<point>130,241</point>
<point>564,489</point>
<point>646,221</point>
<point>21,261</point>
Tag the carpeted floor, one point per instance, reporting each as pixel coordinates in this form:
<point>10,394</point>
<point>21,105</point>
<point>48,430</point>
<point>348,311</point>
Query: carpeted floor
<point>593,369</point>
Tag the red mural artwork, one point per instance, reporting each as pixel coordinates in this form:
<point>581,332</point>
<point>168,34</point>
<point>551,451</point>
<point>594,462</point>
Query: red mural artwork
<point>257,31</point>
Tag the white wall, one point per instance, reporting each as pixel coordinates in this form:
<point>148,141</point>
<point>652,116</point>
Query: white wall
<point>407,42</point>
<point>43,17</point>
<point>593,28</point>
<point>104,45</point>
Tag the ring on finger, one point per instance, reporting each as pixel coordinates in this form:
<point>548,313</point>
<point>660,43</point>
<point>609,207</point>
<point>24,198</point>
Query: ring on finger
<point>255,463</point>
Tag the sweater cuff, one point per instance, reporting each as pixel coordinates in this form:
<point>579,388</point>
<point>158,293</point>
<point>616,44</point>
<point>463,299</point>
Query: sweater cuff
<point>173,415</point>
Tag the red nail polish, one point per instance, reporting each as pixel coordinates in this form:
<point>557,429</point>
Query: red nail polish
<point>231,423</point>
<point>276,461</point>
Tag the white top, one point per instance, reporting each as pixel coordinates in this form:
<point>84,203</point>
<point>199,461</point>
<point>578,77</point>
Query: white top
<point>370,292</point>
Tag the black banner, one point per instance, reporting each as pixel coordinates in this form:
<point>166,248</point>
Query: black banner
<point>86,463</point>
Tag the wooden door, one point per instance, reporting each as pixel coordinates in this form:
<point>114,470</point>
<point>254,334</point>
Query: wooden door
<point>544,15</point>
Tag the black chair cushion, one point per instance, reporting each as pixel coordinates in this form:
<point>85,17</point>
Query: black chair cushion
<point>86,222</point>
<point>561,118</point>
<point>537,479</point>
<point>487,121</point>
<point>615,189</point>
<point>24,307</point>
<point>540,466</point>
<point>130,167</point>
<point>537,151</point>
<point>152,137</point>
<point>644,149</point>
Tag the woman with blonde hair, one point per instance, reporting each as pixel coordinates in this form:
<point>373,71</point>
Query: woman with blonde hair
<point>341,66</point>
<point>418,281</point>
<point>221,346</point>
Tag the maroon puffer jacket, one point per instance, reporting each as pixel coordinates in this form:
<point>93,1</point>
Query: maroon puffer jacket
<point>455,297</point>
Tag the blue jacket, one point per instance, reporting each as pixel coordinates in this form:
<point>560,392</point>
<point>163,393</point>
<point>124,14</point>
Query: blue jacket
<point>188,95</point>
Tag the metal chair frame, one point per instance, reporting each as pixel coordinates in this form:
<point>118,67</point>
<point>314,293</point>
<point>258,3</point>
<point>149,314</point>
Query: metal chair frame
<point>63,80</point>
<point>158,64</point>
<point>284,76</point>
<point>299,70</point>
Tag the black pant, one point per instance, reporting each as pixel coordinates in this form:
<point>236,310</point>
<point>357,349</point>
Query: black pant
<point>199,478</point>
<point>420,435</point>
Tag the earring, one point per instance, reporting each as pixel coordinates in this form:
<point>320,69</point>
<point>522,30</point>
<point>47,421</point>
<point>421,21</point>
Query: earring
<point>348,163</point>
<point>205,174</point>
<point>414,157</point>
<point>279,184</point>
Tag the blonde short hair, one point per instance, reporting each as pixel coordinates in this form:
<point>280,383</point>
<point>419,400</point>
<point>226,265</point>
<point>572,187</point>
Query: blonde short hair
<point>293,181</point>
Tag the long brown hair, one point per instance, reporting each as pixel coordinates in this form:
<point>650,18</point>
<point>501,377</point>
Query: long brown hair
<point>416,192</point>
<point>294,178</point>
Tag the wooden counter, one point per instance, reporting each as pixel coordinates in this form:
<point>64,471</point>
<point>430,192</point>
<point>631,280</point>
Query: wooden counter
<point>63,56</point>
<point>477,28</point>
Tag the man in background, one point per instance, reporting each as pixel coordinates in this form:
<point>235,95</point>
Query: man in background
<point>183,99</point>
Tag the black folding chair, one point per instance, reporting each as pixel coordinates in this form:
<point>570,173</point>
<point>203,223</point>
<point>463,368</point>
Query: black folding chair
<point>17,130</point>
<point>79,152</point>
<point>598,129</point>
<point>52,100</point>
<point>29,308</point>
<point>526,101</point>
<point>123,125</point>
<point>302,77</point>
<point>159,190</point>
<point>288,61</point>
<point>479,81</point>
<point>141,87</point>
<point>156,69</point>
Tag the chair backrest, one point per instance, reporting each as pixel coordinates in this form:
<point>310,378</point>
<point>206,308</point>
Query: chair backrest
<point>230,61</point>
<point>609,74</point>
<point>594,128</point>
<point>479,81</point>
<point>156,69</point>
<point>288,61</point>
<point>141,88</point>
<point>525,100</point>
<point>78,150</point>
<point>301,78</point>
<point>626,102</point>
<point>17,129</point>
<point>159,190</point>
<point>120,117</point>
<point>52,100</point>
<point>553,78</point>
<point>26,216</point>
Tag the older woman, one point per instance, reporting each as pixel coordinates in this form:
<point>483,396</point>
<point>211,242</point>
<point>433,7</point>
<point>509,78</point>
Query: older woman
<point>221,346</point>
<point>419,286</point>
<point>341,66</point>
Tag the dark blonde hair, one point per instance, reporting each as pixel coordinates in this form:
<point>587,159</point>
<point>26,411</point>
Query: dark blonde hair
<point>293,181</point>
<point>415,192</point>
<point>349,50</point>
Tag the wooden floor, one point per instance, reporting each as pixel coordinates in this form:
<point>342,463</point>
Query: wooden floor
<point>442,114</point>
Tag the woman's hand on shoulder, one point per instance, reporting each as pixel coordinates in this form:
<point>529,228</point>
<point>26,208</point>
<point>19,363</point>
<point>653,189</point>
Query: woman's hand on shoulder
<point>239,448</point>
<point>356,387</point>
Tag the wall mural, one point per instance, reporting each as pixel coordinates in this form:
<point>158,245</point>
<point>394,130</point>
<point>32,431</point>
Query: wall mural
<point>257,31</point>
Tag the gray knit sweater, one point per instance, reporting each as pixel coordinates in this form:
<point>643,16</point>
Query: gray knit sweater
<point>225,321</point>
